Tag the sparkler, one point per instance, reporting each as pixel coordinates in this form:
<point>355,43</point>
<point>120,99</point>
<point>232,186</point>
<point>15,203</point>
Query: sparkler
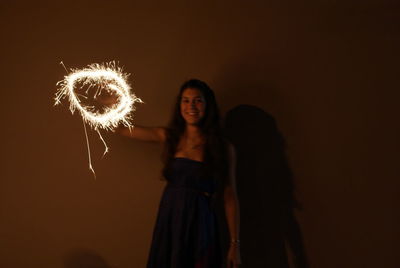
<point>109,77</point>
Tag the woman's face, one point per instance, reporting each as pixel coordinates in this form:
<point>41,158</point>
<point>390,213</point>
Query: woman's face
<point>193,106</point>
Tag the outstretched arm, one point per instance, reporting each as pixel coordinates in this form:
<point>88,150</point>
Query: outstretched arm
<point>155,134</point>
<point>232,213</point>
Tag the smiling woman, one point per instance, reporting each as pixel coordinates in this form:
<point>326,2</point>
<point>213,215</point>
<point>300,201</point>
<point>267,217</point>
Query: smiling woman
<point>198,163</point>
<point>192,106</point>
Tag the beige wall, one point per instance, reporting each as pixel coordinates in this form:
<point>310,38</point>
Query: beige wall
<point>327,71</point>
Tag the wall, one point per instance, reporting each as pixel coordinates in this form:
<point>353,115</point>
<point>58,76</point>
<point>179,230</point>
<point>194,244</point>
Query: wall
<point>326,71</point>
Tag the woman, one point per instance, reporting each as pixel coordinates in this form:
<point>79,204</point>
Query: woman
<point>198,161</point>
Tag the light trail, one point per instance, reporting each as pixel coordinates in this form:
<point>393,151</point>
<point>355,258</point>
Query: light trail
<point>106,76</point>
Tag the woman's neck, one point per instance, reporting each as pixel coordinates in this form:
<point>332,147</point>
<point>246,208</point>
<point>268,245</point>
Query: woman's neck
<point>193,132</point>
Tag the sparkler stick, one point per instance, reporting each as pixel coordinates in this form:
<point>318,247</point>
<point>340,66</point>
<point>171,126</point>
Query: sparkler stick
<point>109,77</point>
<point>88,149</point>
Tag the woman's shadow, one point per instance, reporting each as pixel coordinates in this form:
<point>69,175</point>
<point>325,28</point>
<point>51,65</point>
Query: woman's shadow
<point>265,190</point>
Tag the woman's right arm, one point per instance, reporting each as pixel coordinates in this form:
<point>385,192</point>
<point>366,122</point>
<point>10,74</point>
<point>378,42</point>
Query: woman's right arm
<point>154,134</point>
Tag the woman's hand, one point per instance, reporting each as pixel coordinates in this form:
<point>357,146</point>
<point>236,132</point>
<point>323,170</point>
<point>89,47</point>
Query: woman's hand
<point>234,256</point>
<point>107,99</point>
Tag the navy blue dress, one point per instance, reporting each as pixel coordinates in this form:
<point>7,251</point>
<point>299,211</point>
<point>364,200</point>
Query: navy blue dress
<point>186,233</point>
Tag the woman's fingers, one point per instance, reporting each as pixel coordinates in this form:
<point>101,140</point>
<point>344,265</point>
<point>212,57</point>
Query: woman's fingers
<point>233,264</point>
<point>107,100</point>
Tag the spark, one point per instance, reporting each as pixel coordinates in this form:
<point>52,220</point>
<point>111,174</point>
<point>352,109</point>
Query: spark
<point>106,76</point>
<point>109,77</point>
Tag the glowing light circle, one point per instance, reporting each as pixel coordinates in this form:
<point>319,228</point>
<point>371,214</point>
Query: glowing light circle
<point>108,77</point>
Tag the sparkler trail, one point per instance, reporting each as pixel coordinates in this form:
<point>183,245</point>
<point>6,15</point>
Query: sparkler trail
<point>109,77</point>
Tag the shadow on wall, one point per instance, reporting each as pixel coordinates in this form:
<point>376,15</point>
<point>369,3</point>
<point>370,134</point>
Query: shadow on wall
<point>84,259</point>
<point>265,190</point>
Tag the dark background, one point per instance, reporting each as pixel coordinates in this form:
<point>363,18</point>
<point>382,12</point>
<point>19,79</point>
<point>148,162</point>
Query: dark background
<point>326,71</point>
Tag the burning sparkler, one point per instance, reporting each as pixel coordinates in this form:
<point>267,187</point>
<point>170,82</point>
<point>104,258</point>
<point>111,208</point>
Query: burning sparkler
<point>109,77</point>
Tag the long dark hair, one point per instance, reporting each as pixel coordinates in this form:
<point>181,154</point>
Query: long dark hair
<point>215,147</point>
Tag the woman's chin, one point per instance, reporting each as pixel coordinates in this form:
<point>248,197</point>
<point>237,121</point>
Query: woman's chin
<point>192,122</point>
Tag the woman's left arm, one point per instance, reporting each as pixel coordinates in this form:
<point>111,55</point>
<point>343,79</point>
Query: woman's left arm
<point>232,211</point>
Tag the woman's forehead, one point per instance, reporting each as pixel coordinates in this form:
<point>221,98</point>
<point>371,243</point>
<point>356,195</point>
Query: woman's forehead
<point>191,93</point>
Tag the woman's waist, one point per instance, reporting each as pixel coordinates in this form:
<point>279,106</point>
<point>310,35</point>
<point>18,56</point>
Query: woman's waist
<point>199,190</point>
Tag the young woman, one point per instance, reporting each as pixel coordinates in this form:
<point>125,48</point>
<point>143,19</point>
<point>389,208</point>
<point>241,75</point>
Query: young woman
<point>198,164</point>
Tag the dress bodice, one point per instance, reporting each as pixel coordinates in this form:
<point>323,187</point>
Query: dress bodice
<point>188,173</point>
